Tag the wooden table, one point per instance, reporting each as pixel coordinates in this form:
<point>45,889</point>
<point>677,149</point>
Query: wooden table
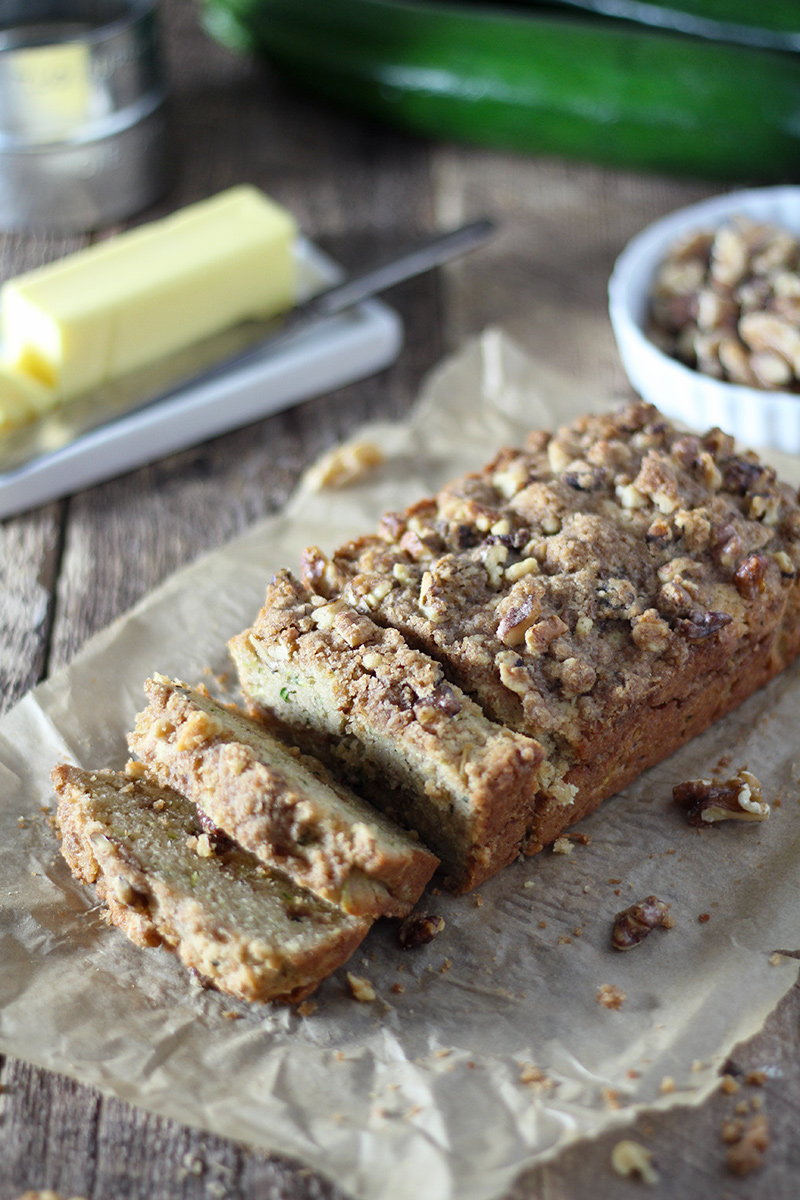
<point>69,568</point>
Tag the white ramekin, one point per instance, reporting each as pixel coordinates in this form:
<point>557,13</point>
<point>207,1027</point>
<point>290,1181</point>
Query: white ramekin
<point>754,417</point>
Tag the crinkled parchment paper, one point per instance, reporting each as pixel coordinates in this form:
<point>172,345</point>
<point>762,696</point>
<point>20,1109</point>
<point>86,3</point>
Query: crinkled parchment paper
<point>418,1093</point>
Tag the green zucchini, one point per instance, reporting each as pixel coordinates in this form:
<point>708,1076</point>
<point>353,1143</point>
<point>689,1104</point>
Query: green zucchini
<point>772,24</point>
<point>582,87</point>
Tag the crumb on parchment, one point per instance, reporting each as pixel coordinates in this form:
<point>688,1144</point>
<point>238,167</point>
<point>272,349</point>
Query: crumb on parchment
<point>610,996</point>
<point>360,989</point>
<point>344,465</point>
<point>630,1158</point>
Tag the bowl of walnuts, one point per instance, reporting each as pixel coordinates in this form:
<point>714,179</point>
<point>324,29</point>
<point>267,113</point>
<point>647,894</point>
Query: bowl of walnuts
<point>705,306</point>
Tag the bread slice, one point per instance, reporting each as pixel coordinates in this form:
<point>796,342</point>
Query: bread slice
<point>360,697</point>
<point>282,806</point>
<point>610,590</point>
<point>247,930</point>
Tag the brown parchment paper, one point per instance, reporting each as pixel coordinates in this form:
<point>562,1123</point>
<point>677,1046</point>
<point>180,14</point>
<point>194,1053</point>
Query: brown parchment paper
<point>418,1093</point>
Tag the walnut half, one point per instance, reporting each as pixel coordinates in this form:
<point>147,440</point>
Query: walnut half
<point>737,799</point>
<point>632,925</point>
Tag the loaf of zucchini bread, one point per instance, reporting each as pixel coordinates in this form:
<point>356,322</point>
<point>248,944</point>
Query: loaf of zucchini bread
<point>246,929</point>
<point>279,804</point>
<point>603,594</point>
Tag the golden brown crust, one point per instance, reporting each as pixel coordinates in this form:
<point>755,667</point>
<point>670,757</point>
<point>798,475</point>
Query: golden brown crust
<point>279,804</point>
<point>246,930</point>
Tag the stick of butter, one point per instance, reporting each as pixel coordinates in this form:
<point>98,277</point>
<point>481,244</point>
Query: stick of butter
<point>128,301</point>
<point>22,399</point>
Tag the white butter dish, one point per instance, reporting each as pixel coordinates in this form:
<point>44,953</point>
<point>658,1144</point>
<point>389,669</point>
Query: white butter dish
<point>336,351</point>
<point>754,417</point>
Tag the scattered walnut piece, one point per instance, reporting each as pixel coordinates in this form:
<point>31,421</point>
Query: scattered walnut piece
<point>630,1158</point>
<point>610,996</point>
<point>747,1154</point>
<point>343,465</point>
<point>633,924</point>
<point>730,1085</point>
<point>361,989</point>
<point>738,798</point>
<point>418,928</point>
<point>755,1078</point>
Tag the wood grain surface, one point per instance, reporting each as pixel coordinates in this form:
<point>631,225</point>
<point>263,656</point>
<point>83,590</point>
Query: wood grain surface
<point>68,569</point>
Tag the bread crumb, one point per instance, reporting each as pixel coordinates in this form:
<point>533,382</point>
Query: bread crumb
<point>528,883</point>
<point>538,1079</point>
<point>667,1085</point>
<point>610,1097</point>
<point>703,918</point>
<point>729,1085</point>
<point>478,900</point>
<point>630,1158</point>
<point>344,465</point>
<point>397,988</point>
<point>306,1008</point>
<point>731,1130</point>
<point>562,845</point>
<point>747,1154</point>
<point>775,960</point>
<point>755,1078</point>
<point>361,989</point>
<point>610,996</point>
